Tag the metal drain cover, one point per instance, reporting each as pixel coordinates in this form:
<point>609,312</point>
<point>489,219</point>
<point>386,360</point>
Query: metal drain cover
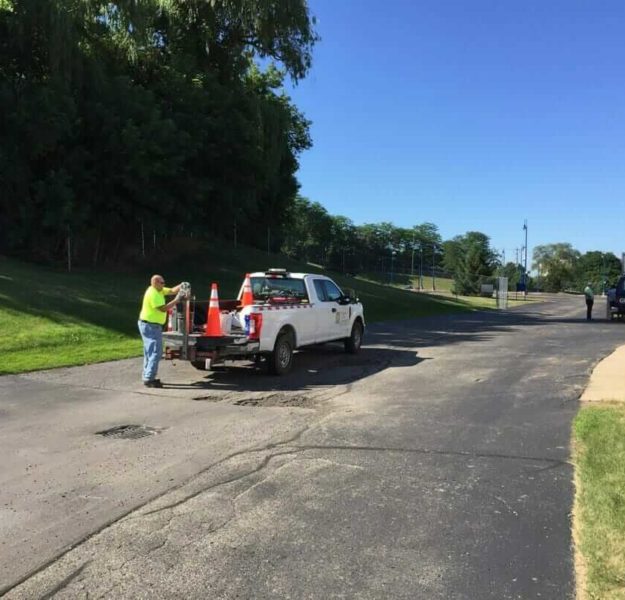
<point>129,432</point>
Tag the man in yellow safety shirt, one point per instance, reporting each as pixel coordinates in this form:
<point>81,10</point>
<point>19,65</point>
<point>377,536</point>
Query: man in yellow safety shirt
<point>151,320</point>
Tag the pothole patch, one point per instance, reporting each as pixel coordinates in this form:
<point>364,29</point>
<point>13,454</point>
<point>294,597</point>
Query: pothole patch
<point>299,400</point>
<point>129,432</point>
<point>209,398</point>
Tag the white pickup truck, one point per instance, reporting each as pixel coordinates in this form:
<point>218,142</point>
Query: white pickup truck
<point>288,311</point>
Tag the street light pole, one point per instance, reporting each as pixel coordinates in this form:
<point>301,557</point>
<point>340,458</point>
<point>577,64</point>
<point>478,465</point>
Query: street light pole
<point>433,267</point>
<point>421,266</point>
<point>525,268</point>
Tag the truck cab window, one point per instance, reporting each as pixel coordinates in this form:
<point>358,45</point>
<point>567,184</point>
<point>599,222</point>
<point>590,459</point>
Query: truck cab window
<point>333,294</point>
<point>268,288</point>
<point>320,289</point>
<point>327,291</point>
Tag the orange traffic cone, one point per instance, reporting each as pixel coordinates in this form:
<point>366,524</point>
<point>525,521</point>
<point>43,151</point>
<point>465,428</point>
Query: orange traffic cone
<point>248,297</point>
<point>213,319</point>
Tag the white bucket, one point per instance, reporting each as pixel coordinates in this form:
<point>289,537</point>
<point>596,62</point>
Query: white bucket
<point>226,323</point>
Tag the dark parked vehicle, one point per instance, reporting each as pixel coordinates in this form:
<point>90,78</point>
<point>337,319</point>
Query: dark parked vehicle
<point>615,305</point>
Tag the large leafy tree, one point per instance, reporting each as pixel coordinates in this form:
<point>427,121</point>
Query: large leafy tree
<point>555,265</point>
<point>124,117</point>
<point>473,260</point>
<point>600,269</point>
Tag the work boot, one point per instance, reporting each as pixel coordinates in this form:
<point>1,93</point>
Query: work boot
<point>153,383</point>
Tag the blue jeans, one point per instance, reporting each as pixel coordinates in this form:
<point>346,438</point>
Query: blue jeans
<point>152,336</point>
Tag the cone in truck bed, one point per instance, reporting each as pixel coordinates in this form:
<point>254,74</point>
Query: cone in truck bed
<point>213,319</point>
<point>248,297</point>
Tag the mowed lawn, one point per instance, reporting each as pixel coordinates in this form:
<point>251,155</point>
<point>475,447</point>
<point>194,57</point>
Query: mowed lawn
<point>51,318</point>
<point>599,514</point>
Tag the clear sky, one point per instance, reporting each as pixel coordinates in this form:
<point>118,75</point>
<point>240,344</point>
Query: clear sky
<point>471,114</point>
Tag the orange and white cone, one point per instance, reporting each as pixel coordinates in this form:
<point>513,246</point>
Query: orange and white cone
<point>248,297</point>
<point>213,319</point>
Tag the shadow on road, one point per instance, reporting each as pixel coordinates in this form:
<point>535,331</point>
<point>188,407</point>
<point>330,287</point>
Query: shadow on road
<point>480,326</point>
<point>390,344</point>
<point>318,366</point>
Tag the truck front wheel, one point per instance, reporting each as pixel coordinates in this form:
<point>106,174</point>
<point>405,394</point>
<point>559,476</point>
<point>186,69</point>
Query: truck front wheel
<point>280,361</point>
<point>353,342</point>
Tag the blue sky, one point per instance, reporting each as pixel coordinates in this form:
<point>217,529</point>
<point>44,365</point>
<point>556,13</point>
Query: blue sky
<point>471,114</point>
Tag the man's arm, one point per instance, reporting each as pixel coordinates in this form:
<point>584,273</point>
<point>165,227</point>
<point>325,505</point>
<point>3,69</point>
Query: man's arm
<point>171,291</point>
<point>171,304</point>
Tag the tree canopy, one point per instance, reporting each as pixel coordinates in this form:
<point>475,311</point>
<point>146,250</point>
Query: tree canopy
<point>121,118</point>
<point>562,267</point>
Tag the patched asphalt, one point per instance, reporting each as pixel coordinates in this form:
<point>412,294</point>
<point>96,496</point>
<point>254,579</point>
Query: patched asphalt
<point>434,465</point>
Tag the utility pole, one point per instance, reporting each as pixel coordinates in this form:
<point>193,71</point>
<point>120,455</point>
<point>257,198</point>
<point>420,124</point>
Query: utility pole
<point>525,268</point>
<point>414,241</point>
<point>517,265</point>
<point>421,266</point>
<point>433,267</point>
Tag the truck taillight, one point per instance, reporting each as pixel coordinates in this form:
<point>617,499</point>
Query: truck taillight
<point>170,319</point>
<point>253,325</point>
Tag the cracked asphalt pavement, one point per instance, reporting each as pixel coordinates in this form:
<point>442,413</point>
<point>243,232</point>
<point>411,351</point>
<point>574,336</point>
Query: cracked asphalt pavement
<point>435,464</point>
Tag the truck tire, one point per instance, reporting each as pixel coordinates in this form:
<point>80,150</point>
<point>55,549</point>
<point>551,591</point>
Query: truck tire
<point>280,361</point>
<point>354,341</point>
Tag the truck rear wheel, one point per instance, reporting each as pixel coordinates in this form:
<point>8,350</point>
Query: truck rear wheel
<point>280,361</point>
<point>354,341</point>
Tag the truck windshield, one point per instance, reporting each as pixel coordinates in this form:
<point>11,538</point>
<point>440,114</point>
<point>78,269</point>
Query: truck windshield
<point>267,288</point>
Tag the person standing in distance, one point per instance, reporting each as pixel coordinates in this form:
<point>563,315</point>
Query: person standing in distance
<point>590,299</point>
<point>151,320</point>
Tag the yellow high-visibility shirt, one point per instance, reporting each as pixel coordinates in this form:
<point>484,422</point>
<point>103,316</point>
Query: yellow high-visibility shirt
<point>152,299</point>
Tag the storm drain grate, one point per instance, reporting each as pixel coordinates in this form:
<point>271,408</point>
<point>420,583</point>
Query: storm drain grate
<point>129,432</point>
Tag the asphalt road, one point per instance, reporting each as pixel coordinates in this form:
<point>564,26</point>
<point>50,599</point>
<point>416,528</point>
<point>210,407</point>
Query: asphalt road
<point>432,465</point>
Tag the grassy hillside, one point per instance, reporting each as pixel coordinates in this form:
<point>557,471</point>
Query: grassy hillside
<point>51,318</point>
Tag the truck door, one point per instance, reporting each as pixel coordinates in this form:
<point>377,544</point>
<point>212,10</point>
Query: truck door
<point>333,318</point>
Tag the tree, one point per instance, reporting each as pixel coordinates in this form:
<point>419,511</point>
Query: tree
<point>472,260</point>
<point>512,271</point>
<point>599,269</point>
<point>555,265</point>
<point>119,117</point>
<point>309,232</point>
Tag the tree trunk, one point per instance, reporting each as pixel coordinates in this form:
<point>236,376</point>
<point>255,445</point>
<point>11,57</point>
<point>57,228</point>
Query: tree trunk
<point>69,249</point>
<point>96,251</point>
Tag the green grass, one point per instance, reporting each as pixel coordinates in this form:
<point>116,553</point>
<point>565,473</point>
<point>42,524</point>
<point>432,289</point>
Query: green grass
<point>51,318</point>
<point>599,433</point>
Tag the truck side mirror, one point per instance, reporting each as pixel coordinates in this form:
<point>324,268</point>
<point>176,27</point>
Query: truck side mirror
<point>349,298</point>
